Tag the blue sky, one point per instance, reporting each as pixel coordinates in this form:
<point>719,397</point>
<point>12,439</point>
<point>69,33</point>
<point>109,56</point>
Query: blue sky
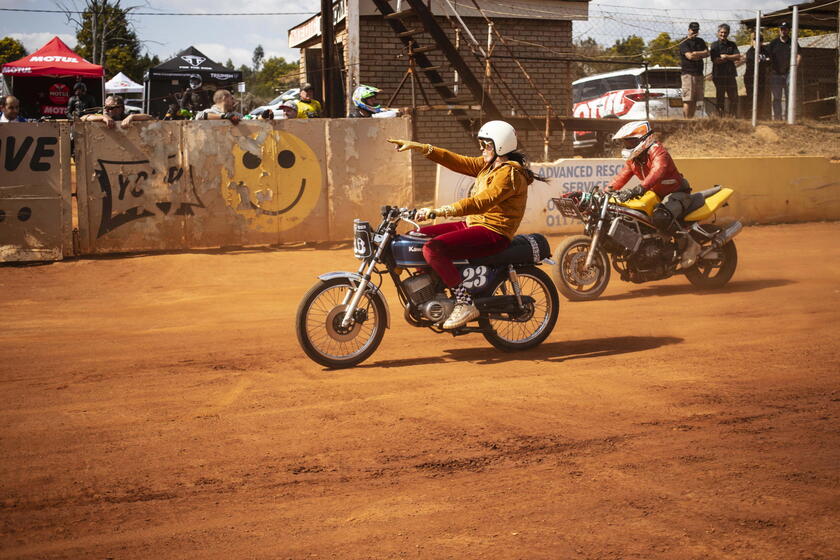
<point>234,37</point>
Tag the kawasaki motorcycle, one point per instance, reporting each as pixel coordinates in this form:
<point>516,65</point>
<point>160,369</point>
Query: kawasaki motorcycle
<point>342,318</point>
<point>623,233</point>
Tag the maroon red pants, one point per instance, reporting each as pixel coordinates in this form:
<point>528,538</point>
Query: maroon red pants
<point>454,240</point>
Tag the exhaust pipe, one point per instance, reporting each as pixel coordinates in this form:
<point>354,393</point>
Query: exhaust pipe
<point>723,237</point>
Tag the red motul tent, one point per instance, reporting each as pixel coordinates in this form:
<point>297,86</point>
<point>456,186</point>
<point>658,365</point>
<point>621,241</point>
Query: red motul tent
<point>43,80</point>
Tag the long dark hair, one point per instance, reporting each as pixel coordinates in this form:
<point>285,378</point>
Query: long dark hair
<point>520,158</point>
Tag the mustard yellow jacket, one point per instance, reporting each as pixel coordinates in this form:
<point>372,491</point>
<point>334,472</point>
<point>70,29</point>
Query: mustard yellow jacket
<point>497,200</point>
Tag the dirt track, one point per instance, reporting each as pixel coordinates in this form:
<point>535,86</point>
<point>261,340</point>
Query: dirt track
<point>159,407</point>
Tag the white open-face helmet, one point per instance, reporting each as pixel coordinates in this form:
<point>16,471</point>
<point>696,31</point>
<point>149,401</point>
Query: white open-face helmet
<point>636,136</point>
<point>502,134</point>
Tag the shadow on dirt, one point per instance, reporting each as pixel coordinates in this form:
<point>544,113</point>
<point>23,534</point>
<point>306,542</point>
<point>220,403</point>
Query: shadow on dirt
<point>548,352</point>
<point>733,287</point>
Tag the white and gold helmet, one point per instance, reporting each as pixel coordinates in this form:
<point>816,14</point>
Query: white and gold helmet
<point>636,137</point>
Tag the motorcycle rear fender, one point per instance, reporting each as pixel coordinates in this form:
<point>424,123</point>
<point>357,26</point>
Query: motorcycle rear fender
<point>713,203</point>
<point>357,278</point>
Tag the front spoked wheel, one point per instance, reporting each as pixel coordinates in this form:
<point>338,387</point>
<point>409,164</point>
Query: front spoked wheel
<point>573,279</point>
<point>531,326</point>
<point>321,334</point>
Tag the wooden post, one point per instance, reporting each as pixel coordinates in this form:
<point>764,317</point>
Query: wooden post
<point>352,46</point>
<point>327,58</point>
<point>756,59</point>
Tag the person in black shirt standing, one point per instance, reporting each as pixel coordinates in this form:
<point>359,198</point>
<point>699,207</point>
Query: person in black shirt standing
<point>763,57</point>
<point>779,49</point>
<point>724,54</point>
<point>693,50</point>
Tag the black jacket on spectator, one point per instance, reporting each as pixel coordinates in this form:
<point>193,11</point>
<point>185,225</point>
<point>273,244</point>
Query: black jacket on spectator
<point>779,56</point>
<point>692,66</point>
<point>724,69</point>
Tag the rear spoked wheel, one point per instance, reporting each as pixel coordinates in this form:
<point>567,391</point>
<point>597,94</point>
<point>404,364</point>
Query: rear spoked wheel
<point>530,327</point>
<point>321,334</point>
<point>715,269</point>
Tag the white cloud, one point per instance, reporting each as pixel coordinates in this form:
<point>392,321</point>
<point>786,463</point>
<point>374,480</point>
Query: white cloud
<point>34,41</point>
<point>220,53</point>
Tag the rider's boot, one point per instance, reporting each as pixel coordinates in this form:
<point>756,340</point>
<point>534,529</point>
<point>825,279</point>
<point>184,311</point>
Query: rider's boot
<point>464,311</point>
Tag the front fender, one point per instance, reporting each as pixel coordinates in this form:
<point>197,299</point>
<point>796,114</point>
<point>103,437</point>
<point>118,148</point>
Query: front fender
<point>357,278</point>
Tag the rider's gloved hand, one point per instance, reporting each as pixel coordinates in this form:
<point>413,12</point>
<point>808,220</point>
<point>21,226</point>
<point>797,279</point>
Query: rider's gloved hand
<point>403,145</point>
<point>626,194</point>
<point>422,214</point>
<point>572,194</point>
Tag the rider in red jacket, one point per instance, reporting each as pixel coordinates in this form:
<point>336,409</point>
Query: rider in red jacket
<point>648,160</point>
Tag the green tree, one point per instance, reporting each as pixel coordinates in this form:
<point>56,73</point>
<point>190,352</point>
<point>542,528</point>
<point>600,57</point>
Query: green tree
<point>663,51</point>
<point>276,74</point>
<point>105,36</point>
<point>630,49</point>
<point>259,55</point>
<point>586,49</point>
<point>11,50</point>
<point>229,64</point>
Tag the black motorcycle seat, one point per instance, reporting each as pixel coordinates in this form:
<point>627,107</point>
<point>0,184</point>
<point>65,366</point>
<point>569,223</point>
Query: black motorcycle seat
<point>523,249</point>
<point>698,199</point>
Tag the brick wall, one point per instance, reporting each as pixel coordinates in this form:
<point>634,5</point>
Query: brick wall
<point>383,64</point>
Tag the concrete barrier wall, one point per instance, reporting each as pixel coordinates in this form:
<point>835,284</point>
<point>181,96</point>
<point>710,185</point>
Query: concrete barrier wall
<point>767,190</point>
<point>178,185</point>
<point>35,211</point>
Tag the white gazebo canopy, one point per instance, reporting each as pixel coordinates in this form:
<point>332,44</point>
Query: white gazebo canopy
<point>122,84</point>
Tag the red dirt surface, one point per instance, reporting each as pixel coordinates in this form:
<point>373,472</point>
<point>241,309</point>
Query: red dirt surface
<point>159,407</point>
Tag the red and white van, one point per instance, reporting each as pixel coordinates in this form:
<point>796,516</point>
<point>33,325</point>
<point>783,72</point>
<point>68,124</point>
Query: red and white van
<point>622,94</point>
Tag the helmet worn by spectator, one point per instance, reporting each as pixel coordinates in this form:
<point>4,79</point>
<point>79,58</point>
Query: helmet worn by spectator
<point>637,136</point>
<point>361,96</point>
<point>501,134</point>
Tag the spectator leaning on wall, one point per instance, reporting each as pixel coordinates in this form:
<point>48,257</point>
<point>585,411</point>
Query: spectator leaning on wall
<point>11,110</point>
<point>222,108</point>
<point>113,111</point>
<point>693,50</point>
<point>724,55</point>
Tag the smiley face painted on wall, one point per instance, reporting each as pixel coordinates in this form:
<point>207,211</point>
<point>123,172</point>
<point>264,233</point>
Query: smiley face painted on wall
<point>276,188</point>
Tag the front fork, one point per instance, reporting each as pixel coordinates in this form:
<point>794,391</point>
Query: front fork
<point>365,271</point>
<point>595,238</point>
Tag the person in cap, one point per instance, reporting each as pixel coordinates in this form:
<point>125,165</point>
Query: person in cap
<point>288,109</point>
<point>724,54</point>
<point>779,51</point>
<point>114,111</point>
<point>693,50</point>
<point>648,160</point>
<point>493,209</point>
<point>308,107</point>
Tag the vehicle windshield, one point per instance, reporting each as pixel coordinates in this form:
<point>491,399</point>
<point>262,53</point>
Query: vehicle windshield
<point>285,96</point>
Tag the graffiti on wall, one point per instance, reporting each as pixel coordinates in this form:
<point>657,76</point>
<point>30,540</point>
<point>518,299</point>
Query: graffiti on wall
<point>277,188</point>
<point>128,193</point>
<point>27,154</point>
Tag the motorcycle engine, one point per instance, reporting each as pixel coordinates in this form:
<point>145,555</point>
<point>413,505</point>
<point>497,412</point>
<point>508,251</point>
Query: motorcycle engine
<point>653,260</point>
<point>421,290</point>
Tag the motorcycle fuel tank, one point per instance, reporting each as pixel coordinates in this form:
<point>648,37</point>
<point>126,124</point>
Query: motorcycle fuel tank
<point>408,250</point>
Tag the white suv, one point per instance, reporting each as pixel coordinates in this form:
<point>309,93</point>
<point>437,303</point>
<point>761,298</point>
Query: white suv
<point>621,95</point>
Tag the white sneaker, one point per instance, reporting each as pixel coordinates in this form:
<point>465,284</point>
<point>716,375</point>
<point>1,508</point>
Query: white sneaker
<point>461,315</point>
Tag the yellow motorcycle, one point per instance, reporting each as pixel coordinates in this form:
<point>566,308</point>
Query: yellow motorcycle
<point>623,234</point>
